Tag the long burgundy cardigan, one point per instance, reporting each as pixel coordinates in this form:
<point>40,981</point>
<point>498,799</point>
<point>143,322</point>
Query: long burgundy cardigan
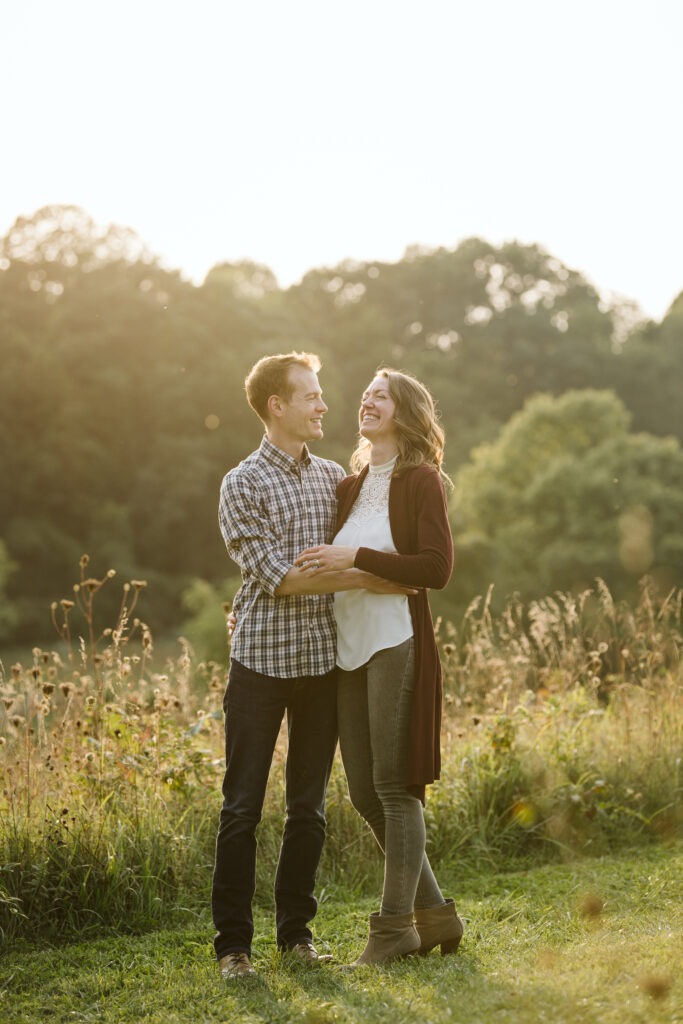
<point>418,519</point>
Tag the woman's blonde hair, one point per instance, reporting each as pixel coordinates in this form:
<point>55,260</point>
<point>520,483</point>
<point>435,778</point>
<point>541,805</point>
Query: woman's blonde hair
<point>420,436</point>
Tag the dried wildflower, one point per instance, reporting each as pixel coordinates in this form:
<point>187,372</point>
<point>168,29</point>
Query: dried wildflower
<point>66,688</point>
<point>90,757</point>
<point>17,720</point>
<point>655,985</point>
<point>98,659</point>
<point>84,561</point>
<point>48,688</point>
<point>90,702</point>
<point>2,741</point>
<point>66,605</point>
<point>35,672</point>
<point>448,648</point>
<point>111,573</point>
<point>52,672</point>
<point>8,702</point>
<point>138,584</point>
<point>16,671</point>
<point>591,905</point>
<point>91,585</point>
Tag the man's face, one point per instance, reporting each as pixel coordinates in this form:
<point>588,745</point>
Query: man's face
<point>302,414</point>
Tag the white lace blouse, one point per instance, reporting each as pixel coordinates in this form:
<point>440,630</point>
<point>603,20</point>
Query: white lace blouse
<point>367,623</point>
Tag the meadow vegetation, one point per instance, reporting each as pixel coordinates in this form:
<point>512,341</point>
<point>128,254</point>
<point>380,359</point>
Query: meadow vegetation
<point>563,734</point>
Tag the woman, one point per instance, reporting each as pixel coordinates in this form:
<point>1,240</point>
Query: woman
<point>392,522</point>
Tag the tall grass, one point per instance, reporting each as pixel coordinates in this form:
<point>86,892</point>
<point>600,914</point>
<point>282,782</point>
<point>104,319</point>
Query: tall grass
<point>563,733</point>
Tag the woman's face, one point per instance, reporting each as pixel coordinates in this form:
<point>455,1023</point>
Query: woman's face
<point>376,415</point>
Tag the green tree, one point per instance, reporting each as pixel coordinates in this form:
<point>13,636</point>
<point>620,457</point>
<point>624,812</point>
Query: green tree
<point>565,494</point>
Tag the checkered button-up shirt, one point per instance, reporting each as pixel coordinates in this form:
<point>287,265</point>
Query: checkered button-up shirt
<point>272,508</point>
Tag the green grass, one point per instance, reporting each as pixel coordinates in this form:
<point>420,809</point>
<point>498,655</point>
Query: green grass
<point>532,952</point>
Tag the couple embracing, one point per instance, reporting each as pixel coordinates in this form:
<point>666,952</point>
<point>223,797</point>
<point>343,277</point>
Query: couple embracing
<point>333,627</point>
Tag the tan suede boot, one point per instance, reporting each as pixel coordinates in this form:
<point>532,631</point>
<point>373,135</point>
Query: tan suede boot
<point>439,925</point>
<point>391,936</point>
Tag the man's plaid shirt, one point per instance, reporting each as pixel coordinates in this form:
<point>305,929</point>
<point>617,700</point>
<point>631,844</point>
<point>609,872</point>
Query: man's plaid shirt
<point>272,508</point>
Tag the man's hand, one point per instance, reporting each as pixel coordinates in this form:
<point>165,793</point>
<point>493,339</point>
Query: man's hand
<point>325,558</point>
<point>231,622</point>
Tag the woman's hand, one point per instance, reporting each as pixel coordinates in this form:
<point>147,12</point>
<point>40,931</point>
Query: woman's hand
<point>325,558</point>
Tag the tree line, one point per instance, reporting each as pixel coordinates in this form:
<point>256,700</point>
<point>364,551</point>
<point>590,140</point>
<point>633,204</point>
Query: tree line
<point>123,406</point>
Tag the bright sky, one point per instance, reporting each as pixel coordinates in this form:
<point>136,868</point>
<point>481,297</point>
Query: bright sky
<point>300,133</point>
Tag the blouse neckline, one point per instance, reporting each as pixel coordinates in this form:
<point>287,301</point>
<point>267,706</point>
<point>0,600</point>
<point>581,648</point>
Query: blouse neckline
<point>385,469</point>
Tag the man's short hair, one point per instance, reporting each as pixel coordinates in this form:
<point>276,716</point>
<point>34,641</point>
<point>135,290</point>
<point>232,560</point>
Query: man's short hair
<point>270,376</point>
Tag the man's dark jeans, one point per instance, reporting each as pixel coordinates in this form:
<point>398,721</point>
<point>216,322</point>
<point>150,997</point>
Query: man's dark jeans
<point>254,706</point>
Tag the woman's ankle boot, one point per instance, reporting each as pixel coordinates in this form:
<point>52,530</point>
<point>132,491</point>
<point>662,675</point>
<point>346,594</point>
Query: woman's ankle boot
<point>391,936</point>
<point>439,926</point>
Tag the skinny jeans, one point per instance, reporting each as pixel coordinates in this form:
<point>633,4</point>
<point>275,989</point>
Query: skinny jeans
<point>374,704</point>
<point>254,706</point>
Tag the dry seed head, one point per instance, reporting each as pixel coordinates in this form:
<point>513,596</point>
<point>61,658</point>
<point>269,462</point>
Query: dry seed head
<point>48,688</point>
<point>35,672</point>
<point>16,671</point>
<point>8,702</point>
<point>89,757</point>
<point>138,584</point>
<point>90,702</point>
<point>66,605</point>
<point>91,585</point>
<point>591,905</point>
<point>111,573</point>
<point>66,688</point>
<point>655,985</point>
<point>17,720</point>
<point>45,657</point>
<point>52,672</point>
<point>84,561</point>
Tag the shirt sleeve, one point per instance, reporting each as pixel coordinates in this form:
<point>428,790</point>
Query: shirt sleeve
<point>249,535</point>
<point>431,565</point>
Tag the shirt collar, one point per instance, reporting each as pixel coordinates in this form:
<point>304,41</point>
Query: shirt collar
<point>279,458</point>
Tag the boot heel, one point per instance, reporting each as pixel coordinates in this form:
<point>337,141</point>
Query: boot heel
<point>450,946</point>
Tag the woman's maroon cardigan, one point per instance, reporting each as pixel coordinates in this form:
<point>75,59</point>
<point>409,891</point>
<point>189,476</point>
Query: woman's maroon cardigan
<point>418,518</point>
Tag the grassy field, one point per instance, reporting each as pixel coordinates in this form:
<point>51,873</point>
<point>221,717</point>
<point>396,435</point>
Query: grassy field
<point>557,827</point>
<point>595,940</point>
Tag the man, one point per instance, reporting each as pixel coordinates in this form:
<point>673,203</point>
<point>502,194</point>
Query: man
<point>277,502</point>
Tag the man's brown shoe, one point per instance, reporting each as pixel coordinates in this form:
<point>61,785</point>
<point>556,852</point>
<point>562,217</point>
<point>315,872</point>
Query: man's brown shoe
<point>235,965</point>
<point>307,952</point>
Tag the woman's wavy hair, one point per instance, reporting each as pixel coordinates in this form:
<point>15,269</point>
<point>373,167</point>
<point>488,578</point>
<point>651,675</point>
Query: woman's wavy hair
<point>420,437</point>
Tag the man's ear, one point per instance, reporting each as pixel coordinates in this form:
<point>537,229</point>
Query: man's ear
<point>275,406</point>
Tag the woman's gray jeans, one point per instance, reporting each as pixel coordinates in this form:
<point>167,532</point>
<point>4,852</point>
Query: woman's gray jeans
<point>374,707</point>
